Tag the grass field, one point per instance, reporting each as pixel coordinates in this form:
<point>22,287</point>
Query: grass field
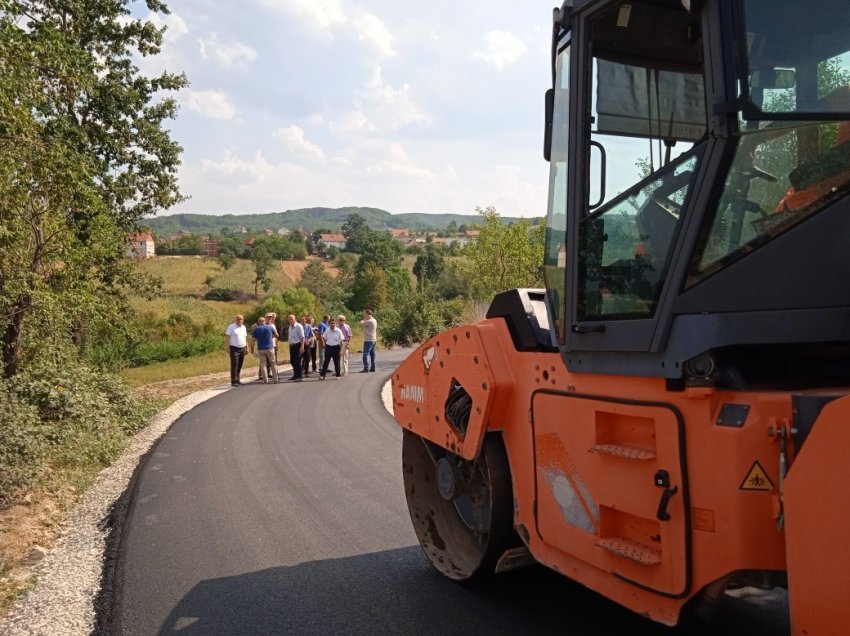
<point>187,275</point>
<point>186,279</point>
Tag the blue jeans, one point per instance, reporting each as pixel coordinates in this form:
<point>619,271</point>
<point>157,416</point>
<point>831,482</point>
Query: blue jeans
<point>369,354</point>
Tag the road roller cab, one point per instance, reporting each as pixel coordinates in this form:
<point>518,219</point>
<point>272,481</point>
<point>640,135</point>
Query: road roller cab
<point>669,417</point>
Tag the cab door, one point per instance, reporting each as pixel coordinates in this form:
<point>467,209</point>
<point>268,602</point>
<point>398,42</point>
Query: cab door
<point>639,147</point>
<point>611,488</point>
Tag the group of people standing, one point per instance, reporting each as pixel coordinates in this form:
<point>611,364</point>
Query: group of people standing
<point>308,342</point>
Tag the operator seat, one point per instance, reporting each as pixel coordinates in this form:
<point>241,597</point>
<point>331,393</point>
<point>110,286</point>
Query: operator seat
<point>814,179</point>
<point>656,222</point>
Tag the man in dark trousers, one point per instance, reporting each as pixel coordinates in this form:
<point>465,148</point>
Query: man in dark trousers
<point>296,346</point>
<point>236,337</point>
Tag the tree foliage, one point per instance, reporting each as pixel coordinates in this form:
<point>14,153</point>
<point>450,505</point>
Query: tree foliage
<point>371,289</point>
<point>263,264</point>
<point>506,256</point>
<point>428,267</point>
<point>380,249</point>
<point>356,232</point>
<point>316,279</point>
<point>83,158</point>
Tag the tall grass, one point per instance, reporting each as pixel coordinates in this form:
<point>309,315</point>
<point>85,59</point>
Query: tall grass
<point>193,275</point>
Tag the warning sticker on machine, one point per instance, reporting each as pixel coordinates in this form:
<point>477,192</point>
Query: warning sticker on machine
<point>756,479</point>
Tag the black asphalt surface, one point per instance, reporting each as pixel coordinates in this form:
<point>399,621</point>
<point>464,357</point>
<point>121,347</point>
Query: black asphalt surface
<point>279,509</point>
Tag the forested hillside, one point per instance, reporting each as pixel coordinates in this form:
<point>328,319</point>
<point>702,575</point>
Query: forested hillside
<point>310,219</point>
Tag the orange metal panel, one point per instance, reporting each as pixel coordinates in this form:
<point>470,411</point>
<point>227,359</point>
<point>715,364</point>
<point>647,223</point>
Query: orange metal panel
<point>817,513</point>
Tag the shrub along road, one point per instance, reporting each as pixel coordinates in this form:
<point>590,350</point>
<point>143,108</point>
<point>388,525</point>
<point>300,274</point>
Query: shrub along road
<point>280,509</point>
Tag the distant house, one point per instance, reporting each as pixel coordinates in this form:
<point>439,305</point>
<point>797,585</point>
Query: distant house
<point>141,245</point>
<point>211,247</point>
<point>269,232</point>
<point>249,241</point>
<point>400,233</point>
<point>283,231</point>
<point>333,240</point>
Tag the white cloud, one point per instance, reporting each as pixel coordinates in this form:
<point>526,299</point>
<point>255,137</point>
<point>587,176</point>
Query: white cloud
<point>501,48</point>
<point>226,55</point>
<point>176,26</point>
<point>322,15</point>
<point>212,104</point>
<point>388,108</point>
<point>293,140</point>
<point>351,122</point>
<point>328,16</point>
<point>371,29</point>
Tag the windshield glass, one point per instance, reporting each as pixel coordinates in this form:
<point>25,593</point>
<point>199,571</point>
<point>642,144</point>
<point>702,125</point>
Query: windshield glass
<point>785,169</point>
<point>797,56</point>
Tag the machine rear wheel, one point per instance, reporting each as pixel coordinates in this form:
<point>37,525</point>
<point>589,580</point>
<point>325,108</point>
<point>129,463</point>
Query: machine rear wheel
<point>462,511</point>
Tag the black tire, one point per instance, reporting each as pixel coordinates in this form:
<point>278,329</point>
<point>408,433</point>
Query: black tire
<point>463,536</point>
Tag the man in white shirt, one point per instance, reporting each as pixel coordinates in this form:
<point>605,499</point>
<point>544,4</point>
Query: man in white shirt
<point>236,340</point>
<point>296,346</point>
<point>346,343</point>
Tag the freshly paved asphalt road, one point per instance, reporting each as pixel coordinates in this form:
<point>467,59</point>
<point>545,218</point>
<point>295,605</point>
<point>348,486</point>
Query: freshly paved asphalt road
<point>280,510</point>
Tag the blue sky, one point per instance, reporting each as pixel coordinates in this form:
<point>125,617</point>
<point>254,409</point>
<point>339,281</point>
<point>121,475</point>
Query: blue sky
<point>409,107</point>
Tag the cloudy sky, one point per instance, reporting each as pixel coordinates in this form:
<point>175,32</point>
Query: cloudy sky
<point>408,107</point>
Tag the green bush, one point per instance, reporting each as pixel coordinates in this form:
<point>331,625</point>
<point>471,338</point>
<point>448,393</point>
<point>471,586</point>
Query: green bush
<point>60,412</point>
<point>22,444</point>
<point>219,294</point>
<point>162,350</point>
<point>422,317</point>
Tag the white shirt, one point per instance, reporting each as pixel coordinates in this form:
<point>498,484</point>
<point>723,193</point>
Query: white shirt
<point>238,335</point>
<point>333,337</point>
<point>370,329</point>
<point>295,333</point>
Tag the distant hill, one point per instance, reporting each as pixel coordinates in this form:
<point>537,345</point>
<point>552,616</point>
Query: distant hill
<point>310,219</point>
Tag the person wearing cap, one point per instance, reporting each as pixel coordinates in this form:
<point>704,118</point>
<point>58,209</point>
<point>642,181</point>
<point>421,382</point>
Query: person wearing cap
<point>263,336</point>
<point>271,320</point>
<point>295,336</point>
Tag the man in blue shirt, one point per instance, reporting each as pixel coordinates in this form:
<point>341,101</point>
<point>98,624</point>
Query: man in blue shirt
<point>323,327</point>
<point>263,336</point>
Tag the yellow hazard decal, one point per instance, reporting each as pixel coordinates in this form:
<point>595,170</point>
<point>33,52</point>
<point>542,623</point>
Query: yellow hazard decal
<point>756,479</point>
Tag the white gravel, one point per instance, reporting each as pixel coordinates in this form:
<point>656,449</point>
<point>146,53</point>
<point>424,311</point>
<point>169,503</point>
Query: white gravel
<point>68,580</point>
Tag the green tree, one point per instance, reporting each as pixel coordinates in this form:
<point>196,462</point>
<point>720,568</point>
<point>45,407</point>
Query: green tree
<point>299,301</point>
<point>371,289</point>
<point>84,156</point>
<point>321,284</point>
<point>505,256</point>
<point>263,264</point>
<point>428,267</point>
<point>356,232</point>
<point>380,248</point>
<point>226,260</point>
